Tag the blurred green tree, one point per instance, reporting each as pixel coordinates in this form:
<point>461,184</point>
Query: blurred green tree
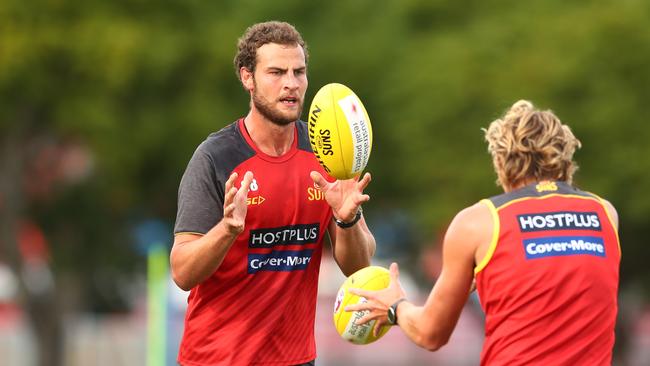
<point>133,86</point>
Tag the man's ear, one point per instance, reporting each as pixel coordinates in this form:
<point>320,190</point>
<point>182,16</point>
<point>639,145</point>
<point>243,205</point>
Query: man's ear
<point>247,78</point>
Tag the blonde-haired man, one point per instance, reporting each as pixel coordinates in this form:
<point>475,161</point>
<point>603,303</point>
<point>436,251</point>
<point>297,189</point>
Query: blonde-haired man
<point>544,256</point>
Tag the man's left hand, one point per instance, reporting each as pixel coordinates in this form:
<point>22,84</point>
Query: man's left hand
<point>344,196</point>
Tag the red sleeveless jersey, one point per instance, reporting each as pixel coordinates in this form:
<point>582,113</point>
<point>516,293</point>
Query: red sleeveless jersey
<point>549,281</point>
<point>258,307</point>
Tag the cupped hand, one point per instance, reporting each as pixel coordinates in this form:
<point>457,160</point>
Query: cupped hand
<point>378,302</point>
<point>344,196</point>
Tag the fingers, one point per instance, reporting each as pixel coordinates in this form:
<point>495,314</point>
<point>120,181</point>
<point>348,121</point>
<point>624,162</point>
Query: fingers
<point>363,183</point>
<point>379,322</point>
<point>230,194</point>
<point>360,292</point>
<point>366,301</point>
<point>227,212</point>
<point>394,272</point>
<point>358,307</point>
<point>368,317</point>
<point>318,179</point>
<point>231,181</point>
<point>377,328</point>
<point>246,182</point>
<point>362,199</point>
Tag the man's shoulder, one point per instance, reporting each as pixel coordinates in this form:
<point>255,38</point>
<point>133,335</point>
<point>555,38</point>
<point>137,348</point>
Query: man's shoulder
<point>471,227</point>
<point>225,144</point>
<point>303,136</point>
<point>227,137</point>
<point>474,217</point>
<point>222,151</point>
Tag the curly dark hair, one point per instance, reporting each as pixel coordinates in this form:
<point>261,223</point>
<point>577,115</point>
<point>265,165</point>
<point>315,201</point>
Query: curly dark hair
<point>260,34</point>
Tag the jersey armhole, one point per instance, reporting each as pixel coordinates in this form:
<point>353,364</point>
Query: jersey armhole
<point>495,237</point>
<point>611,222</point>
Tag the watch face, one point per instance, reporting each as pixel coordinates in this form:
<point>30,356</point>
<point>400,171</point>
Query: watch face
<point>392,311</point>
<point>391,315</point>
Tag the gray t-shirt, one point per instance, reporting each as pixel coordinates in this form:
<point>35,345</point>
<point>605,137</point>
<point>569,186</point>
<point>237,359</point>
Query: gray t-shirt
<point>201,191</point>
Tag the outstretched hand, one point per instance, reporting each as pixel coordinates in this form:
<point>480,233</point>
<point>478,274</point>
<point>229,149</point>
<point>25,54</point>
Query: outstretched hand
<point>344,196</point>
<point>378,302</point>
<point>235,205</point>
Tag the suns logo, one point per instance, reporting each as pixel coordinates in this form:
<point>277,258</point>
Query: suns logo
<point>315,194</point>
<point>546,187</point>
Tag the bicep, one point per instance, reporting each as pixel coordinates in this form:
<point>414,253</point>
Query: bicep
<point>452,289</point>
<point>185,238</point>
<point>181,241</point>
<point>200,197</point>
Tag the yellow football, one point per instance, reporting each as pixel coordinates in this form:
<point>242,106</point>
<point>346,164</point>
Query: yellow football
<point>369,278</point>
<point>339,131</point>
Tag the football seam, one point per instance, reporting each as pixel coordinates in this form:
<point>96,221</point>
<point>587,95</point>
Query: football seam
<point>338,131</point>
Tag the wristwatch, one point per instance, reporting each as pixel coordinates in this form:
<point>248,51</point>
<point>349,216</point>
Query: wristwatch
<point>345,225</point>
<point>392,311</point>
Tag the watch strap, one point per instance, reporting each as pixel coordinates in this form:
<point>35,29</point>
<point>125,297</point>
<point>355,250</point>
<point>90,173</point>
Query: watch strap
<point>393,310</point>
<point>345,225</point>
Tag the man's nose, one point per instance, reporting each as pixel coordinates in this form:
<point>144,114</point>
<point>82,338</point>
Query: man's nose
<point>291,81</point>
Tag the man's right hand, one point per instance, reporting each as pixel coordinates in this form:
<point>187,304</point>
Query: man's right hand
<point>234,205</point>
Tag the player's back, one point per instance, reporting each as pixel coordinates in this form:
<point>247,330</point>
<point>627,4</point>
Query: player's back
<point>549,282</point>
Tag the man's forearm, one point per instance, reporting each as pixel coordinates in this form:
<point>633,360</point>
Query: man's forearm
<point>354,247</point>
<point>195,260</point>
<point>410,319</point>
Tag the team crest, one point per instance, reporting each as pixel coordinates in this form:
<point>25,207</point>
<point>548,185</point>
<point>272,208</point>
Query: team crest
<point>254,187</point>
<point>546,187</point>
<point>255,200</point>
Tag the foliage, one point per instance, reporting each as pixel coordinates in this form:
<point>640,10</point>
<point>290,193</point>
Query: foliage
<point>141,83</point>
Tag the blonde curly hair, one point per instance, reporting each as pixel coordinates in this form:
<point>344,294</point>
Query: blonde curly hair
<point>527,145</point>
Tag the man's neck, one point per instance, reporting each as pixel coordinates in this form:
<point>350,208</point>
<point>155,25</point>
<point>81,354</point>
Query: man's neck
<point>270,138</point>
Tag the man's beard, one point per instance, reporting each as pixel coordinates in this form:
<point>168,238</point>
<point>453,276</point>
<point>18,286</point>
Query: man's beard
<point>271,113</point>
